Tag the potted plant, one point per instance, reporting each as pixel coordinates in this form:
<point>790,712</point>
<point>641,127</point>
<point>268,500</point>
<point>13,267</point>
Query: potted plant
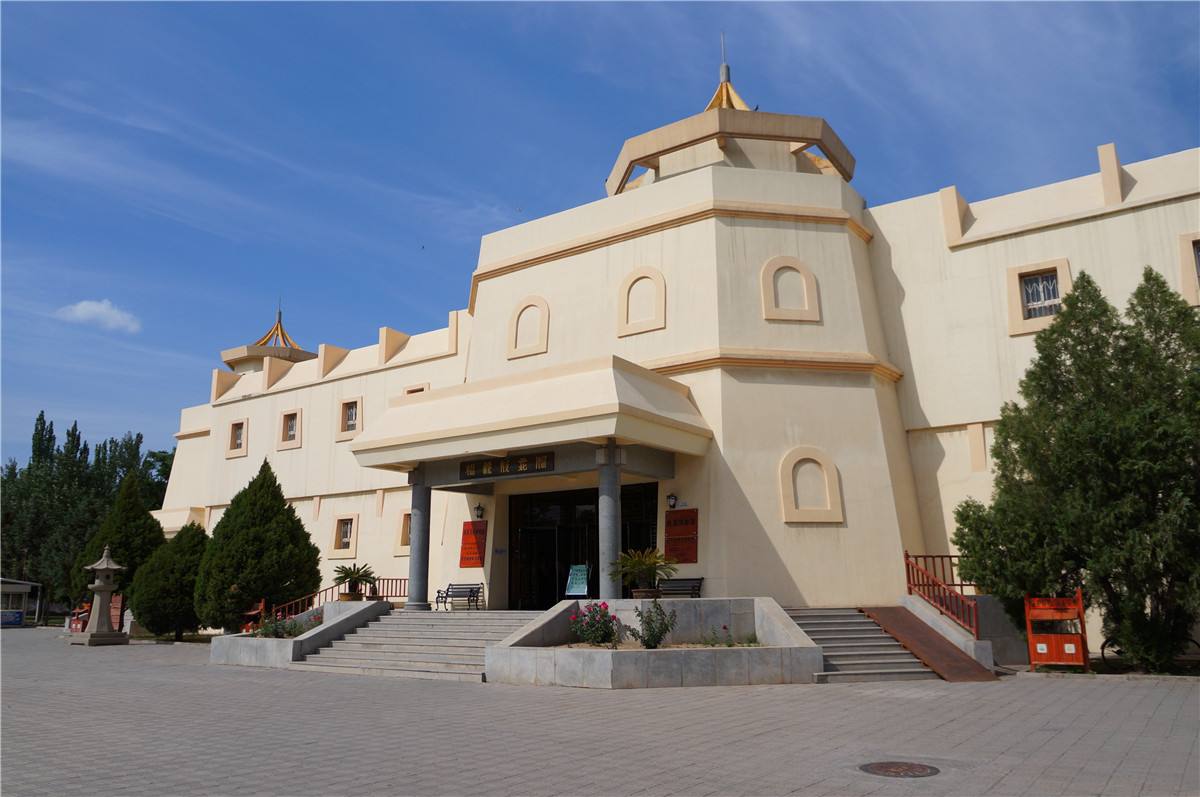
<point>641,570</point>
<point>354,577</point>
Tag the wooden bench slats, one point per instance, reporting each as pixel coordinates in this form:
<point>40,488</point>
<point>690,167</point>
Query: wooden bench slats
<point>471,593</point>
<point>681,587</point>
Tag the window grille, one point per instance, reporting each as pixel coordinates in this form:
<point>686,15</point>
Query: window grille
<point>1039,295</point>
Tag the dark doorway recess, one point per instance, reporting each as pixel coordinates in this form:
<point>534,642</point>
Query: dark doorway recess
<point>549,532</point>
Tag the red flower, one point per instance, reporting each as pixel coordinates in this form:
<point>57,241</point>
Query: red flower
<point>614,617</point>
<point>573,618</point>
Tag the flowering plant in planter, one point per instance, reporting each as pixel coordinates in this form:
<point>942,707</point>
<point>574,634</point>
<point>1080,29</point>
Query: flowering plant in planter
<point>594,625</point>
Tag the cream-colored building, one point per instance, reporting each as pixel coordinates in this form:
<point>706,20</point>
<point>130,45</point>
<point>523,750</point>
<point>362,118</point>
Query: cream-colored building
<point>810,382</point>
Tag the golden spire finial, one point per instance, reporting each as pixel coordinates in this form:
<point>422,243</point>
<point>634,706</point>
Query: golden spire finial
<point>277,335</point>
<point>725,95</point>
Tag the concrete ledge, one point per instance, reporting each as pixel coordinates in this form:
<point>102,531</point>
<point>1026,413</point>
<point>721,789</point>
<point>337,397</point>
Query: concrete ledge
<point>785,653</point>
<point>341,617</point>
<point>978,649</point>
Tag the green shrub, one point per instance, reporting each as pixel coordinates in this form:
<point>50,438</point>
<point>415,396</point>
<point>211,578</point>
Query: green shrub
<point>259,550</point>
<point>280,628</point>
<point>656,624</point>
<point>164,588</point>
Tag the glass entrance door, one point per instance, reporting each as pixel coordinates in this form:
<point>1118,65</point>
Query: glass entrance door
<point>550,532</point>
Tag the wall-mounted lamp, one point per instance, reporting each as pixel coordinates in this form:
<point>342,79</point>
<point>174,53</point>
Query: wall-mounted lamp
<point>479,511</point>
<point>672,500</point>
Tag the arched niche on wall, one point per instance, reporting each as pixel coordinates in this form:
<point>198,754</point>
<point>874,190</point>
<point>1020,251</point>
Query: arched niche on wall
<point>809,505</point>
<point>642,302</point>
<point>529,328</point>
<point>789,291</point>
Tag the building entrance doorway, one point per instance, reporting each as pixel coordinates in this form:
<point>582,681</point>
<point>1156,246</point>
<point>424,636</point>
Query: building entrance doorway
<point>550,532</point>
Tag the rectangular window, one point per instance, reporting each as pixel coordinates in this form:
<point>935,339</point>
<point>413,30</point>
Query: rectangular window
<point>350,416</point>
<point>237,436</point>
<point>1196,258</point>
<point>289,427</point>
<point>1039,295</point>
<point>405,529</point>
<point>349,421</point>
<point>345,534</point>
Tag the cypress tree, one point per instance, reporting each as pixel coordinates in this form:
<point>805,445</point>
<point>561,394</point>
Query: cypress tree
<point>164,588</point>
<point>259,550</point>
<point>131,533</point>
<point>1098,472</point>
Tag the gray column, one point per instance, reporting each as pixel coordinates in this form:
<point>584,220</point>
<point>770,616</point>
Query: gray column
<point>418,551</point>
<point>609,510</point>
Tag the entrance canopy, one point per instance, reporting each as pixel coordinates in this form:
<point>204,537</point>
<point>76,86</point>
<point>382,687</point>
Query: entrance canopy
<point>591,400</point>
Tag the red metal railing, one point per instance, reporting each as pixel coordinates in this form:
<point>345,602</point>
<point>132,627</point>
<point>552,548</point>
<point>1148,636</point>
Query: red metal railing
<point>947,598</point>
<point>943,567</point>
<point>383,589</point>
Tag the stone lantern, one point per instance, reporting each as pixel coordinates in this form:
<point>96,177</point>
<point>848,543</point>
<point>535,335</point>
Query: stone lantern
<point>99,629</point>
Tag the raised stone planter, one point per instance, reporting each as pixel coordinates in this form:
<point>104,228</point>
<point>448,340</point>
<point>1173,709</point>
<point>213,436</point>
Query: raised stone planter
<point>785,654</point>
<point>249,651</point>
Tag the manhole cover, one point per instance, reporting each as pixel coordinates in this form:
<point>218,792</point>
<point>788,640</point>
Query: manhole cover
<point>899,769</point>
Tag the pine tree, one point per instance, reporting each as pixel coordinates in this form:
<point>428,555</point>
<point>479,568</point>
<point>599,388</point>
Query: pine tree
<point>131,534</point>
<point>259,550</point>
<point>164,588</point>
<point>1097,472</point>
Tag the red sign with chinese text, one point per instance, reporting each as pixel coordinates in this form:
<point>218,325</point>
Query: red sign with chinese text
<point>474,543</point>
<point>682,535</point>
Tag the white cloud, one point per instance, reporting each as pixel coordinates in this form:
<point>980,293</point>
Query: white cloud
<point>103,314</point>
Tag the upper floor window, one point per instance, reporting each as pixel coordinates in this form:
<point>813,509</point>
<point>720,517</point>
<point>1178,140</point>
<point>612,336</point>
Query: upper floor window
<point>350,420</point>
<point>1039,295</point>
<point>345,534</point>
<point>1196,257</point>
<point>1035,292</point>
<point>289,430</point>
<point>235,445</point>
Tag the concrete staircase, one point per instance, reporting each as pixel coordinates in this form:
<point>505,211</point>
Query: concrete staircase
<point>857,649</point>
<point>433,645</point>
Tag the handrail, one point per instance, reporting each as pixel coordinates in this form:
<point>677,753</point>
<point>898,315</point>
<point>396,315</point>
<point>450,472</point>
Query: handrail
<point>943,567</point>
<point>382,589</point>
<point>962,609</point>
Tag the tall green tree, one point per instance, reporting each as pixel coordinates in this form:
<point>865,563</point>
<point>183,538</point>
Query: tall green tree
<point>164,588</point>
<point>1098,471</point>
<point>131,534</point>
<point>259,550</point>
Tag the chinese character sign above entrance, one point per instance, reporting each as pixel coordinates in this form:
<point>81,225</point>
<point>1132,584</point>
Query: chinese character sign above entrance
<point>683,535</point>
<point>516,465</point>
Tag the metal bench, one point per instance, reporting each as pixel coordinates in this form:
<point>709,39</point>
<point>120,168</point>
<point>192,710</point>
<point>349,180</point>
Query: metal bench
<point>471,593</point>
<point>680,587</point>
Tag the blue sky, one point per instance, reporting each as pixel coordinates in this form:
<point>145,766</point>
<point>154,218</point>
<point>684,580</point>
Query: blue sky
<point>169,170</point>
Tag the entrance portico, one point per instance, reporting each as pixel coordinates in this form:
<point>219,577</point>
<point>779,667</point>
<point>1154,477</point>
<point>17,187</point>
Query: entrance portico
<point>606,417</point>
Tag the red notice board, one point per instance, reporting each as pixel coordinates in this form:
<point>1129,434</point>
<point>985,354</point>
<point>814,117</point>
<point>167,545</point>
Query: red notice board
<point>474,543</point>
<point>682,535</point>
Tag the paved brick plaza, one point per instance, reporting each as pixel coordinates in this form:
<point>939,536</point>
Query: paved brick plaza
<point>167,723</point>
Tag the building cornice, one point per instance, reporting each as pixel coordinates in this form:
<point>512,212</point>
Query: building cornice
<point>690,214</point>
<point>787,359</point>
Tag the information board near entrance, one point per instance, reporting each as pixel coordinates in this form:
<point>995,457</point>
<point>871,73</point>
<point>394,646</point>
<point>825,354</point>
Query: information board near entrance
<point>474,543</point>
<point>682,535</point>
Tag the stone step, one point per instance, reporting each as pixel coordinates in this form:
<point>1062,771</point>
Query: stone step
<point>844,636</point>
<point>857,653</point>
<point>858,676</point>
<point>872,664</point>
<point>392,672</point>
<point>352,643</point>
<point>398,633</point>
<point>429,655</point>
<point>888,644</point>
<point>457,628</point>
<point>824,622</point>
<point>367,638</point>
<point>524,616</point>
<point>353,658</point>
<point>866,628</point>
<point>824,613</point>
